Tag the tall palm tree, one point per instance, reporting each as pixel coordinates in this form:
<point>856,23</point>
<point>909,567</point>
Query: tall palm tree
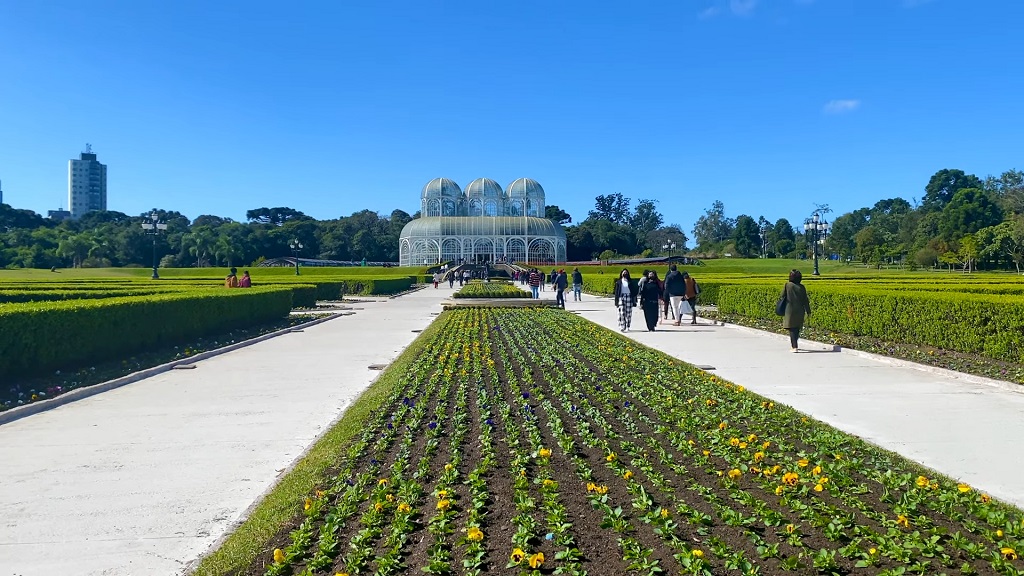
<point>199,243</point>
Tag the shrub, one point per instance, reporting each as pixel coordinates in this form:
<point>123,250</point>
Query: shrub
<point>36,338</point>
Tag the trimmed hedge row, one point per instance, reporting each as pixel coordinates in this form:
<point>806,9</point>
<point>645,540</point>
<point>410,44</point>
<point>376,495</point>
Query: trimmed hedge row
<point>988,325</point>
<point>491,290</point>
<point>36,338</point>
<point>19,296</point>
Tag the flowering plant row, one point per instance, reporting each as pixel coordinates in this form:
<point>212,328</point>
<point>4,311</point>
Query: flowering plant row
<point>535,442</point>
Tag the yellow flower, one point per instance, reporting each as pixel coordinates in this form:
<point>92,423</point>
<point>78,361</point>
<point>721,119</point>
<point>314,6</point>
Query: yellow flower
<point>765,445</point>
<point>611,457</point>
<point>752,438</point>
<point>448,467</point>
<point>902,520</point>
<point>743,445</point>
<point>536,560</point>
<point>734,473</point>
<point>690,442</point>
<point>803,462</point>
<point>778,490</point>
<point>790,478</point>
<point>872,551</point>
<point>591,487</point>
<point>816,470</point>
<point>627,475</point>
<point>706,452</point>
<point>378,506</point>
<point>1008,553</point>
<point>963,488</point>
<point>999,533</point>
<point>442,493</point>
<point>985,498</point>
<point>341,574</point>
<point>382,482</point>
<point>790,528</point>
<point>443,504</point>
<point>823,480</point>
<point>475,534</point>
<point>934,485</point>
<point>390,497</point>
<point>664,512</point>
<point>548,482</point>
<point>734,442</point>
<point>921,482</point>
<point>320,493</point>
<point>308,504</point>
<point>758,456</point>
<point>517,555</point>
<point>721,425</point>
<point>601,490</point>
<point>544,453</point>
<point>740,388</point>
<point>404,508</point>
<point>818,487</point>
<point>697,553</point>
<point>278,555</point>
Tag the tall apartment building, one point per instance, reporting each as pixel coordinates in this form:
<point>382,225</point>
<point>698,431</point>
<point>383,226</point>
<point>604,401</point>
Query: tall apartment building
<point>87,184</point>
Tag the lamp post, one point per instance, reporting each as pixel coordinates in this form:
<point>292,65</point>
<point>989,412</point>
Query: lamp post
<point>816,229</point>
<point>153,227</point>
<point>295,245</point>
<point>669,247</point>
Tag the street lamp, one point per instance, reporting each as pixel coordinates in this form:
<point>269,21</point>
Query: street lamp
<point>816,229</point>
<point>153,227</point>
<point>669,247</point>
<point>295,245</point>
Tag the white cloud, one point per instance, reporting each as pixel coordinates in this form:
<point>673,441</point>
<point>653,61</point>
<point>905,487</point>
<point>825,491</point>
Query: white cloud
<point>742,7</point>
<point>709,12</point>
<point>841,106</point>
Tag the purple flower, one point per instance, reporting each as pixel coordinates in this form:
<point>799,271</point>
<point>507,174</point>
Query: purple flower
<point>432,425</point>
<point>390,426</point>
<point>489,422</point>
<point>627,404</point>
<point>526,395</point>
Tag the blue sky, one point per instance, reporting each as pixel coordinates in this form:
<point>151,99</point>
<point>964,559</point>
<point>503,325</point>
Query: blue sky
<point>330,107</point>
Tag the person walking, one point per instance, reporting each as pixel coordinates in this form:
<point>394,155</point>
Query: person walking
<point>535,283</point>
<point>797,305</point>
<point>231,280</point>
<point>451,278</point>
<point>245,281</point>
<point>650,296</point>
<point>577,285</point>
<point>625,300</point>
<point>437,279</point>
<point>465,276</point>
<point>675,291</point>
<point>692,292</point>
<point>561,283</point>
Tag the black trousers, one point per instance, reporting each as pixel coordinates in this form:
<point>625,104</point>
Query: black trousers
<point>560,297</point>
<point>651,314</point>
<point>794,336</point>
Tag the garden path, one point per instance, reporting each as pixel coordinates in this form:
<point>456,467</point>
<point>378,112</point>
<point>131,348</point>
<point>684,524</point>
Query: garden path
<point>145,478</point>
<point>960,425</point>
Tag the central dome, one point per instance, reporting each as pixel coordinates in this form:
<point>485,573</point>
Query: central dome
<point>484,188</point>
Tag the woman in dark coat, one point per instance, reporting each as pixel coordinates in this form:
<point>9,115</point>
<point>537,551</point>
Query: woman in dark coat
<point>625,299</point>
<point>797,306</point>
<point>650,296</point>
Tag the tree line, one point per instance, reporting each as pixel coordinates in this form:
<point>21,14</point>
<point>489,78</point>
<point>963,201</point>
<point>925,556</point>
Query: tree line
<point>961,221</point>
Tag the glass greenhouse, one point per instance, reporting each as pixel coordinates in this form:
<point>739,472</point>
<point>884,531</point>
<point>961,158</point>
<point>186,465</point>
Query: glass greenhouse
<point>484,223</point>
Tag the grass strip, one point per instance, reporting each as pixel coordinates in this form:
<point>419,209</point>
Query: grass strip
<point>277,508</point>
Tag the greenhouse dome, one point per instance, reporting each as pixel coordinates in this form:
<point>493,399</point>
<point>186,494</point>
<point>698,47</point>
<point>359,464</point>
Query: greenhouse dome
<point>483,224</point>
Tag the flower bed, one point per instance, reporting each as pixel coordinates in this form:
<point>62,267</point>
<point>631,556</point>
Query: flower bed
<point>493,289</point>
<point>536,442</point>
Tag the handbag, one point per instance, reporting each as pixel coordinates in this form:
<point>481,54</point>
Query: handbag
<point>780,306</point>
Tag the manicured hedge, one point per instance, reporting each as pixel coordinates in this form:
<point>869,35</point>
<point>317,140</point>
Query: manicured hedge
<point>42,337</point>
<point>989,325</point>
<point>18,296</point>
<point>491,290</point>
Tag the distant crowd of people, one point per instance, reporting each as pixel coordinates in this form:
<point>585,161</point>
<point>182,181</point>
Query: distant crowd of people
<point>674,296</point>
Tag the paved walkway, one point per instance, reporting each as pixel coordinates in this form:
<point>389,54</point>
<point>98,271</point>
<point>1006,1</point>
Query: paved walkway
<point>143,479</point>
<point>955,425</point>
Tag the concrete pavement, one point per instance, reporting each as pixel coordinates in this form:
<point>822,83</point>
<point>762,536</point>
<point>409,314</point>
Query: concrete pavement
<point>143,479</point>
<point>957,425</point>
